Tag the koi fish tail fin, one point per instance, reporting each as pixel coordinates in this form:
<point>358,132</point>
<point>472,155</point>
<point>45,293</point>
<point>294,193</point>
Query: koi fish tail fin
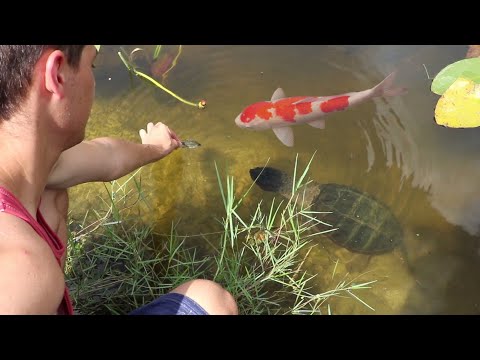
<point>387,88</point>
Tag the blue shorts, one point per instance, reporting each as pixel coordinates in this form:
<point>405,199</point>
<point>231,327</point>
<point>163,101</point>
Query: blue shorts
<point>171,304</point>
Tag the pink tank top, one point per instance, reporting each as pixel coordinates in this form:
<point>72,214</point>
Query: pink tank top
<point>10,205</point>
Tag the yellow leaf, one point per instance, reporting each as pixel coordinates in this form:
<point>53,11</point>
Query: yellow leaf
<point>459,106</point>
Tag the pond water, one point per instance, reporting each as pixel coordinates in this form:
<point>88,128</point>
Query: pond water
<point>390,148</point>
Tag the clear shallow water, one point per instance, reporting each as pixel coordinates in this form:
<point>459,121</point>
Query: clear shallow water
<point>390,148</point>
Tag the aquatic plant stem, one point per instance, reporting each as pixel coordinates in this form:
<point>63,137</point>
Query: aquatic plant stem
<point>201,104</point>
<point>166,90</point>
<point>174,62</point>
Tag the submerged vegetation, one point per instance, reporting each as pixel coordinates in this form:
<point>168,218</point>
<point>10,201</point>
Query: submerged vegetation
<point>116,263</point>
<point>158,68</point>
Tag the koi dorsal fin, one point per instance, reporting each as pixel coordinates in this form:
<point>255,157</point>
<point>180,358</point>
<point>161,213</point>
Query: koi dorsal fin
<point>306,100</point>
<point>278,94</point>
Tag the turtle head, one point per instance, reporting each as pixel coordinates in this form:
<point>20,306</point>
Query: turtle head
<point>271,179</point>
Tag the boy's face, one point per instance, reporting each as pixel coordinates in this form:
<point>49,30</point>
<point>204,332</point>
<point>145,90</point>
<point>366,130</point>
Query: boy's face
<point>81,93</point>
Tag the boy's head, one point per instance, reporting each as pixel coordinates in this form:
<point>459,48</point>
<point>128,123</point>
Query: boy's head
<point>17,64</point>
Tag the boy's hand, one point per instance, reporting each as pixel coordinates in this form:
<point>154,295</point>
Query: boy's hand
<point>161,136</point>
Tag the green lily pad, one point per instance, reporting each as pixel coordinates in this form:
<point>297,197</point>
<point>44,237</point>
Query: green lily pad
<point>466,68</point>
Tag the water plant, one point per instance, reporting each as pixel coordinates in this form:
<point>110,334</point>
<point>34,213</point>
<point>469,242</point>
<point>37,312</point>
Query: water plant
<point>162,65</point>
<point>127,59</point>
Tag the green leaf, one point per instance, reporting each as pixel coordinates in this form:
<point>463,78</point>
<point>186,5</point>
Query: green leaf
<point>97,47</point>
<point>467,68</point>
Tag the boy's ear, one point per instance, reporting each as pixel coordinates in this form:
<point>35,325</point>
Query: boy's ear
<point>55,73</point>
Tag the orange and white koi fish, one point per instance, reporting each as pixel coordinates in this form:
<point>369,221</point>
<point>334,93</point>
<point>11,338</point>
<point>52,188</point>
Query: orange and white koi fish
<point>280,113</point>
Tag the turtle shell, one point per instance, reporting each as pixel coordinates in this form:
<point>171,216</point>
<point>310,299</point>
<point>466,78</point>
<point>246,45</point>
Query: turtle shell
<point>364,224</point>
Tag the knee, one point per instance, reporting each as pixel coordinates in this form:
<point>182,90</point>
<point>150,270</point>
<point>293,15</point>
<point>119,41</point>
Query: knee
<point>210,295</point>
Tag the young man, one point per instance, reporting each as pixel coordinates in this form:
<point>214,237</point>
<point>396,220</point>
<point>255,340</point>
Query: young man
<point>46,94</point>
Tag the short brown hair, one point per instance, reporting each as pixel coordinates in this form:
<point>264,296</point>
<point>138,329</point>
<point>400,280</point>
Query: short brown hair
<point>16,71</point>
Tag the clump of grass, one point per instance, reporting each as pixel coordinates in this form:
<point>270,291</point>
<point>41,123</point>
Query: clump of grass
<point>120,265</point>
<point>264,273</point>
<point>115,264</point>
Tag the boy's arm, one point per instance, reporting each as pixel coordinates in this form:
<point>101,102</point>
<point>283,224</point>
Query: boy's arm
<point>106,159</point>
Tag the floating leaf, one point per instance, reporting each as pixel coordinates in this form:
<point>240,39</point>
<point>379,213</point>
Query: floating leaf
<point>466,68</point>
<point>459,107</point>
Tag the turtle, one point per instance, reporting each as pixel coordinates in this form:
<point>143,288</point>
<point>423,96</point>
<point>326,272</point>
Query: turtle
<point>363,223</point>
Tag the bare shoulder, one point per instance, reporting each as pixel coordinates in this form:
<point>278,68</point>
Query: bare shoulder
<point>31,281</point>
